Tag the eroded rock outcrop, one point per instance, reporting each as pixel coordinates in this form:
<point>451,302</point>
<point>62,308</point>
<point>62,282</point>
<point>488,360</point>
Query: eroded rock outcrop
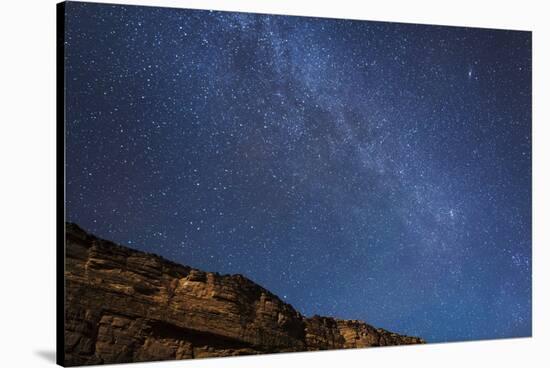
<point>122,305</point>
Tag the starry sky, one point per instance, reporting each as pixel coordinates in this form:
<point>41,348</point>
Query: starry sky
<point>362,170</point>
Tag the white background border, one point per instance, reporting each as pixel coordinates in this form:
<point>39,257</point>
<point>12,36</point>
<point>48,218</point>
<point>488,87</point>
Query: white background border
<point>27,180</point>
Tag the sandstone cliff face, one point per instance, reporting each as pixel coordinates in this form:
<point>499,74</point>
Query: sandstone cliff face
<point>122,305</point>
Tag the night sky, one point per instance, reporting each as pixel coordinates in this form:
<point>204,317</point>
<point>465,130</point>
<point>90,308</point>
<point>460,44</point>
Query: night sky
<point>361,170</point>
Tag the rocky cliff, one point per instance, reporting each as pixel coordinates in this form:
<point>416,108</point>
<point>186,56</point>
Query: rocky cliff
<point>122,305</point>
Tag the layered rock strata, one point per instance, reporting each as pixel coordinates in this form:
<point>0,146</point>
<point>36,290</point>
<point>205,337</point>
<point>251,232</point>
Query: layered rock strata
<point>123,305</point>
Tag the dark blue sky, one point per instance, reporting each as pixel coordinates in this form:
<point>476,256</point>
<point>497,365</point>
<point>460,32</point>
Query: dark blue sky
<point>361,170</point>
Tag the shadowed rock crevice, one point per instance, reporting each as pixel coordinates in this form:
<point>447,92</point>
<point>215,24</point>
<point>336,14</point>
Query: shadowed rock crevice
<point>124,305</point>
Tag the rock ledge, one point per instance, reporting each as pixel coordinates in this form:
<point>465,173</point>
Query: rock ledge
<point>123,305</point>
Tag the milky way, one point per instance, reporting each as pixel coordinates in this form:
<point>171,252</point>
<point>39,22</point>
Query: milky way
<point>361,170</point>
